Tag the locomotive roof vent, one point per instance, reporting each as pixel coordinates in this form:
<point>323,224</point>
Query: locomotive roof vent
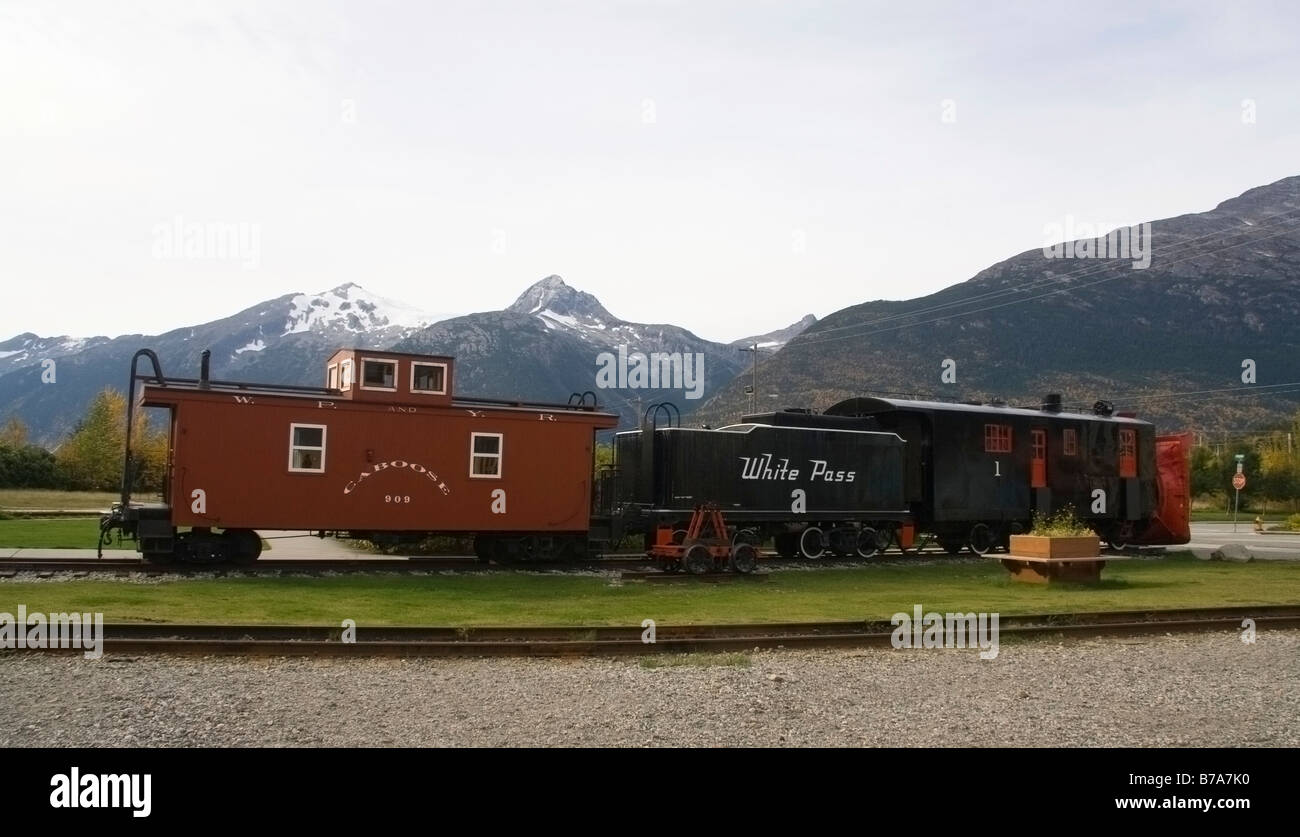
<point>1103,408</point>
<point>1052,402</point>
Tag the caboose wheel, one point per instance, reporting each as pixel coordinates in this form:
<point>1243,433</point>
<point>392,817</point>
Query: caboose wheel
<point>699,560</point>
<point>981,539</point>
<point>868,542</point>
<point>811,543</point>
<point>243,546</point>
<point>744,558</point>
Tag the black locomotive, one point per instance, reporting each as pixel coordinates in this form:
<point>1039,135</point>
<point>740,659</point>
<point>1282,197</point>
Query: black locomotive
<point>871,471</point>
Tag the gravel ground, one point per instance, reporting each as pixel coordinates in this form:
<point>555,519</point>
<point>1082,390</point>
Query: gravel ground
<point>1197,690</point>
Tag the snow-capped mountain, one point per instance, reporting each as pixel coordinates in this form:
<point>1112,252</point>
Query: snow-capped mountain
<point>283,340</point>
<point>351,308</point>
<point>547,344</point>
<point>29,349</point>
<point>552,340</point>
<point>774,340</point>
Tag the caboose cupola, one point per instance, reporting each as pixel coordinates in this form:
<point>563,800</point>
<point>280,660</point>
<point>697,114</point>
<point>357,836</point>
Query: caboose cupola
<point>372,375</point>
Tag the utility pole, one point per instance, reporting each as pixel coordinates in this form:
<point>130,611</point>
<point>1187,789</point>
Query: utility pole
<point>753,387</point>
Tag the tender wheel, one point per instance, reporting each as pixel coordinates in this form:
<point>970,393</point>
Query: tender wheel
<point>868,542</point>
<point>744,558</point>
<point>243,545</point>
<point>812,543</point>
<point>699,560</point>
<point>787,544</point>
<point>981,539</point>
<point>749,536</point>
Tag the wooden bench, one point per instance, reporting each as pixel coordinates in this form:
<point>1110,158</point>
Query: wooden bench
<point>1035,570</point>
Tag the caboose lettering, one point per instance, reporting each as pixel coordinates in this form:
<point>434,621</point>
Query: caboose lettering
<point>396,464</point>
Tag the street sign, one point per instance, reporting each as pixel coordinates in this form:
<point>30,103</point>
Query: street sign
<point>1239,481</point>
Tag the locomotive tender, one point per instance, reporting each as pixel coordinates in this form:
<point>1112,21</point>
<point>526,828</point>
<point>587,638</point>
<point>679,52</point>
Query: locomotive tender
<point>386,451</point>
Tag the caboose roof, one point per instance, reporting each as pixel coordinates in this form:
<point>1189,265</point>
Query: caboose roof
<point>871,405</point>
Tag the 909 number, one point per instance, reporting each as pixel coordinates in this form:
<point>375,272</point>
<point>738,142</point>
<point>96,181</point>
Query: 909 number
<point>397,498</point>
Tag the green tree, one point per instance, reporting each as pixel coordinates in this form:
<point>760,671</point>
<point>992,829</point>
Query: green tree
<point>91,458</point>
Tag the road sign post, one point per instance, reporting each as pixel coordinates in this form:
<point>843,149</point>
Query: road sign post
<point>1238,483</point>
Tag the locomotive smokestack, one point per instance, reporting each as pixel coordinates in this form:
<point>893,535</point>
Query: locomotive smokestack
<point>205,361</point>
<point>1052,403</point>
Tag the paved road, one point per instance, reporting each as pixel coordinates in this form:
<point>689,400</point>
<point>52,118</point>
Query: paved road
<point>1211,536</point>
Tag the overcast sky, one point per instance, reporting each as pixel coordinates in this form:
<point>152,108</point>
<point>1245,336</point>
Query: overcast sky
<point>728,167</point>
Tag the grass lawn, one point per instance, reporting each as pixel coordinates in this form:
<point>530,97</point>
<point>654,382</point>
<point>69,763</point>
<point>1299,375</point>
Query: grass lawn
<point>871,592</point>
<point>61,533</point>
<point>50,533</point>
<point>42,498</point>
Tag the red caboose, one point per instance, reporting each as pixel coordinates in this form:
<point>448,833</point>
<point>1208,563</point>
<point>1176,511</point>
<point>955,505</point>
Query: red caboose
<point>384,450</point>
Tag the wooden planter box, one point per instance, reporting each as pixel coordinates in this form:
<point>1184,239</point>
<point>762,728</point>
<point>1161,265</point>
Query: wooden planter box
<point>1038,546</point>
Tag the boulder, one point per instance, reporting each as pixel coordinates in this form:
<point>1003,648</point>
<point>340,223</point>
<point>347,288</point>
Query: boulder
<point>1234,552</point>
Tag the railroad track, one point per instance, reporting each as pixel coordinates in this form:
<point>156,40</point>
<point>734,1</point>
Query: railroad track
<point>321,641</point>
<point>279,566</point>
<point>412,565</point>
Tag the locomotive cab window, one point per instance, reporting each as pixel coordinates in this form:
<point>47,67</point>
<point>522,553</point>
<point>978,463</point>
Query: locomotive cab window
<point>378,374</point>
<point>1128,453</point>
<point>429,378</point>
<point>1069,442</point>
<point>307,448</point>
<point>997,438</point>
<point>485,455</point>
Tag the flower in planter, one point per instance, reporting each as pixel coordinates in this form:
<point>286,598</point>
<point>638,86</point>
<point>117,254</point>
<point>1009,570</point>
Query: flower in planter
<point>1062,524</point>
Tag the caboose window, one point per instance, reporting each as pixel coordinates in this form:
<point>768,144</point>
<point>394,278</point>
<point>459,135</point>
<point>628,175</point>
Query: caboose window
<point>307,448</point>
<point>345,373</point>
<point>1070,442</point>
<point>332,381</point>
<point>429,378</point>
<point>997,438</point>
<point>378,374</point>
<point>485,455</point>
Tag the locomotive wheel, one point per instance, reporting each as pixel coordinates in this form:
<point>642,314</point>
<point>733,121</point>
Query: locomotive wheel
<point>698,559</point>
<point>744,558</point>
<point>812,543</point>
<point>787,544</point>
<point>868,542</point>
<point>981,539</point>
<point>843,541</point>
